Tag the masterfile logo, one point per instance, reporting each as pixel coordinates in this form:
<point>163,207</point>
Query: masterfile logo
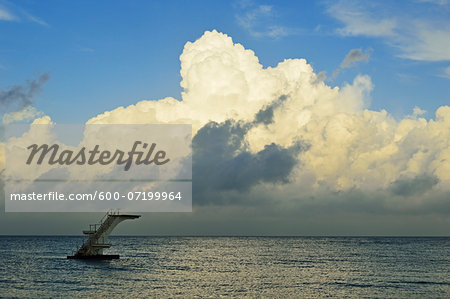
<point>81,168</point>
<point>94,156</point>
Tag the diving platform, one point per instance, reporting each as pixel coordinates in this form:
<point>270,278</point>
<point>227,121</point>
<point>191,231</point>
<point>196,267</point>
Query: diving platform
<point>98,233</point>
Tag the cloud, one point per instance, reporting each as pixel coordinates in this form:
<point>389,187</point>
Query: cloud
<point>350,60</point>
<point>222,160</point>
<point>26,114</point>
<point>418,112</point>
<point>86,49</point>
<point>415,186</point>
<point>278,151</point>
<point>35,19</point>
<point>265,115</point>
<point>437,2</point>
<point>17,97</point>
<point>446,73</point>
<point>354,56</point>
<point>19,15</point>
<point>425,42</point>
<point>5,15</point>
<point>281,134</point>
<point>259,20</point>
<point>280,141</point>
<point>15,105</point>
<point>358,21</point>
<point>423,38</point>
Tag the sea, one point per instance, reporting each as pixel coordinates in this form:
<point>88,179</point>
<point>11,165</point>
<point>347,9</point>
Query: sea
<point>211,267</point>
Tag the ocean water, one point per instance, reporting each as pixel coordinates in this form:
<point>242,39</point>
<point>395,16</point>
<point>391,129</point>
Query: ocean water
<point>36,267</point>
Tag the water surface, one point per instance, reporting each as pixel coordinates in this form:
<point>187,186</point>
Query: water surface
<point>229,266</point>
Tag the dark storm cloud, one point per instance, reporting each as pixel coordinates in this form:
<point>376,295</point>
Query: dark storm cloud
<point>415,186</point>
<point>222,161</point>
<point>19,96</point>
<point>354,56</point>
<point>265,115</point>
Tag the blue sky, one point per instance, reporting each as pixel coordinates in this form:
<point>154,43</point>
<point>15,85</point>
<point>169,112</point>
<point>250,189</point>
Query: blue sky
<point>105,54</point>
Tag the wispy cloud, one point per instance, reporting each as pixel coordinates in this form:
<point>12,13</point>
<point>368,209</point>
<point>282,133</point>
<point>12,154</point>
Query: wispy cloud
<point>438,2</point>
<point>358,21</point>
<point>17,97</point>
<point>85,49</point>
<point>6,15</point>
<point>445,73</point>
<point>26,114</point>
<point>35,19</point>
<point>17,14</point>
<point>423,39</point>
<point>406,78</point>
<point>353,57</point>
<point>260,20</point>
<point>424,42</point>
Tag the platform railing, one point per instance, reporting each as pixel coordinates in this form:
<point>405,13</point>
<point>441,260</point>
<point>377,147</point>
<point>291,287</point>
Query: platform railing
<point>98,232</point>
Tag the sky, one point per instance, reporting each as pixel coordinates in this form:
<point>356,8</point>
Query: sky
<point>309,118</point>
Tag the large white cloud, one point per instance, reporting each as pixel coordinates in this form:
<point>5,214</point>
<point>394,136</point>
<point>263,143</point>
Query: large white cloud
<point>350,146</point>
<point>357,171</point>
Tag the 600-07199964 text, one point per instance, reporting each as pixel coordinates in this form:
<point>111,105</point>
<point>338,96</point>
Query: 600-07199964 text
<point>102,195</point>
